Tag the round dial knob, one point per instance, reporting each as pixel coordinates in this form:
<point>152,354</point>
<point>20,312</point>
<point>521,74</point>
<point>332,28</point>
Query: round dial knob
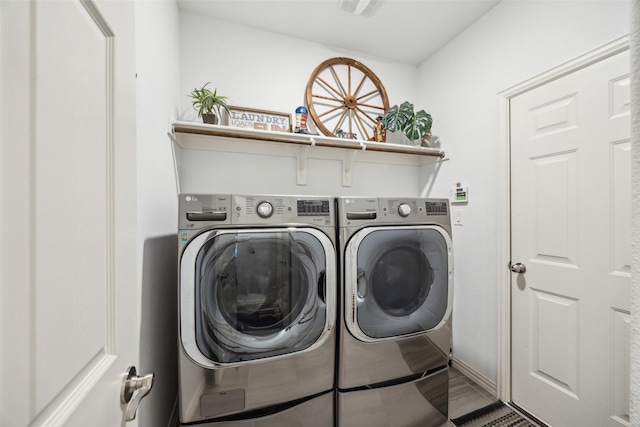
<point>404,209</point>
<point>265,210</point>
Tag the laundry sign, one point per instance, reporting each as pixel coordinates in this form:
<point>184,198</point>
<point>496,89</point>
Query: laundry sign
<point>272,121</point>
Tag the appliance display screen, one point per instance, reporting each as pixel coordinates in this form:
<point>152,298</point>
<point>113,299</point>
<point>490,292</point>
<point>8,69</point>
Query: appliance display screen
<point>436,208</point>
<point>313,208</point>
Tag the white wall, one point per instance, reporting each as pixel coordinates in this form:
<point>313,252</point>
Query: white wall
<point>263,70</point>
<point>158,78</point>
<point>513,42</point>
<point>260,69</point>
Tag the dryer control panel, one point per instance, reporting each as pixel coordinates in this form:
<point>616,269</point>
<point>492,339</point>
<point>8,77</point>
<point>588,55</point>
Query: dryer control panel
<point>414,210</point>
<point>398,209</point>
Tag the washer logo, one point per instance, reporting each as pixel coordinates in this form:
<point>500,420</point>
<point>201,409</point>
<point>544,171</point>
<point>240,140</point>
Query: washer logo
<point>191,199</point>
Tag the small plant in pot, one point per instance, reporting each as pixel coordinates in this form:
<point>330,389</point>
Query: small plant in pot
<point>205,102</point>
<point>414,125</point>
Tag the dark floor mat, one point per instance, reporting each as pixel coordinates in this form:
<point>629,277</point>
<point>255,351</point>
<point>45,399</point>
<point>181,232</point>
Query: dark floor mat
<point>496,414</point>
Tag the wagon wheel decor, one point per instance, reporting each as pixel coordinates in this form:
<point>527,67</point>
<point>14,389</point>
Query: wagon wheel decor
<point>344,95</point>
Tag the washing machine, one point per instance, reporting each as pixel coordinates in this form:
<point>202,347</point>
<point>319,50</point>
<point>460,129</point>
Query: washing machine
<point>257,298</point>
<point>394,338</point>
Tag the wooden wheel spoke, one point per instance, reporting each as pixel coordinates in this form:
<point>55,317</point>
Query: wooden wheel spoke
<point>377,107</point>
<point>328,86</point>
<point>340,120</point>
<point>367,94</point>
<point>364,113</point>
<point>351,121</point>
<point>328,98</point>
<point>337,79</point>
<point>362,125</point>
<point>347,121</point>
<point>364,79</point>
<point>329,111</point>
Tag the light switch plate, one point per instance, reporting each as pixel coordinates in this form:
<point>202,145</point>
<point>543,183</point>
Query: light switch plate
<point>458,217</point>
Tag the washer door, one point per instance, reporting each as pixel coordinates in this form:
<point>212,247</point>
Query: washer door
<point>251,294</point>
<point>398,281</point>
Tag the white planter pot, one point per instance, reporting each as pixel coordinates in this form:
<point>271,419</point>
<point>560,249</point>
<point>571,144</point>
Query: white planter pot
<point>401,138</point>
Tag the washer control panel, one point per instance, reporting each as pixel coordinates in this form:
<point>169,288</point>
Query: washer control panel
<point>198,211</point>
<point>282,210</point>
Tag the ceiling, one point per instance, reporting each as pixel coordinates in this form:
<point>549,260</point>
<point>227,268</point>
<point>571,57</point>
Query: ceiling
<point>407,31</point>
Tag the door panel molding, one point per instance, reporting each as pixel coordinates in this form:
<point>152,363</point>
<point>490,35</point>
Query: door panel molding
<point>620,182</point>
<point>620,333</point>
<point>59,409</point>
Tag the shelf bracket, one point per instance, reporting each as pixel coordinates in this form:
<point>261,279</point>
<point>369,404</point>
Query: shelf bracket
<point>302,165</point>
<point>347,166</point>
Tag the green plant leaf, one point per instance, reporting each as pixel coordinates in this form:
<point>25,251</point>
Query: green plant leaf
<point>205,101</point>
<point>396,118</point>
<point>418,125</point>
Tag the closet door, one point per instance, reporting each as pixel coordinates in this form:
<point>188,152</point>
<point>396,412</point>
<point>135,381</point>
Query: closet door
<point>571,226</point>
<point>69,313</point>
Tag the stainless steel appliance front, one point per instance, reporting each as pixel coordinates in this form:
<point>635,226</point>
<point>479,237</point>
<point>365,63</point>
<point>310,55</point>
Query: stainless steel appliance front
<point>257,309</point>
<point>395,328</point>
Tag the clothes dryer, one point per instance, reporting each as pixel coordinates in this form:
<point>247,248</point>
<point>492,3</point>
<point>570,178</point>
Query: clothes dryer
<point>395,315</point>
<point>257,297</point>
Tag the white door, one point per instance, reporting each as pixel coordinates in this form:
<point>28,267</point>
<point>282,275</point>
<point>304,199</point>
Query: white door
<point>571,224</point>
<point>69,313</point>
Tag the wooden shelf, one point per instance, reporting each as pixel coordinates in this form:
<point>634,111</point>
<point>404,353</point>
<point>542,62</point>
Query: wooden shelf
<point>200,136</point>
<point>302,139</point>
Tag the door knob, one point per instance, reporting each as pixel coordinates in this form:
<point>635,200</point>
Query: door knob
<point>518,268</point>
<point>134,388</point>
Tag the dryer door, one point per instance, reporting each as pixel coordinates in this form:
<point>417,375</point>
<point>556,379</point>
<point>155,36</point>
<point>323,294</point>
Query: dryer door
<point>250,294</point>
<point>398,281</point>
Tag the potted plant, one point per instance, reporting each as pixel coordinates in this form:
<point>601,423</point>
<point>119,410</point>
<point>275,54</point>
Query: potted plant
<point>205,102</point>
<point>414,125</point>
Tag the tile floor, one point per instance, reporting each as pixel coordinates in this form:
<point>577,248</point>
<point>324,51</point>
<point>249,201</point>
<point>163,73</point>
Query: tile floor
<point>465,396</point>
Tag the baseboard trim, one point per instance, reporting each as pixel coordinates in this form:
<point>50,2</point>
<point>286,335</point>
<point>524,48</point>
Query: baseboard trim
<point>475,376</point>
